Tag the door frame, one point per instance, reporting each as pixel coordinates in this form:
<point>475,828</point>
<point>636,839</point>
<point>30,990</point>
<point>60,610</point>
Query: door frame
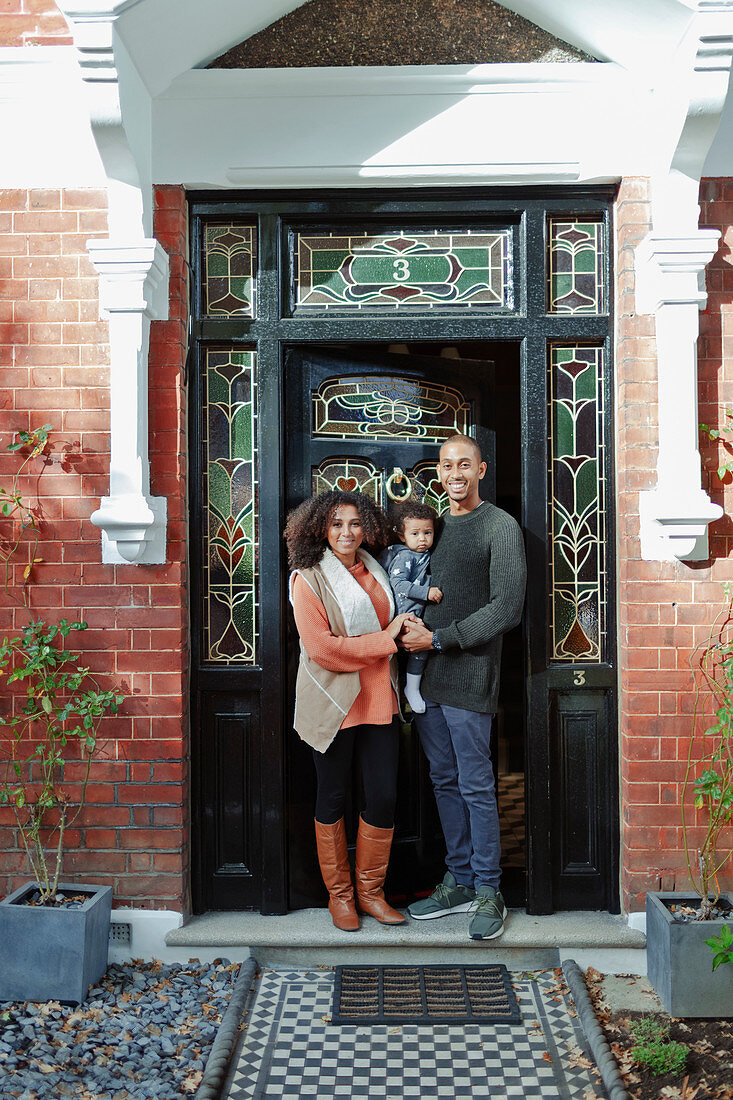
<point>221,692</point>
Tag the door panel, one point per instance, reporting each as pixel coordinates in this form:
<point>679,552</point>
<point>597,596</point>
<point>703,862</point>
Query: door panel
<point>230,771</point>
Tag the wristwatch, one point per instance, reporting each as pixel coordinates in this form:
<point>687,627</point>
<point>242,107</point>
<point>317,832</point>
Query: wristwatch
<point>436,644</point>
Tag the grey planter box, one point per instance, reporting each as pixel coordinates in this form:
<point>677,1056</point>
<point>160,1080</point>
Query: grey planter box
<point>53,954</point>
<point>680,964</point>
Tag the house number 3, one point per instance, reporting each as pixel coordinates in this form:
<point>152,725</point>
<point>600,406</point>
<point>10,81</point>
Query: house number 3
<point>579,677</point>
<point>401,270</point>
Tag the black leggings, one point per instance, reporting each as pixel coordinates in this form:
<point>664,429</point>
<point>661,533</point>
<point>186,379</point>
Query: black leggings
<point>376,749</point>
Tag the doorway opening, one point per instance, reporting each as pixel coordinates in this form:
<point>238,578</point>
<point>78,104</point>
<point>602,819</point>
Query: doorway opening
<point>388,387</point>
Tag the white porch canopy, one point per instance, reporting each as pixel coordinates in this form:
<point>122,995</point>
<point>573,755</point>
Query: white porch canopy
<point>651,107</point>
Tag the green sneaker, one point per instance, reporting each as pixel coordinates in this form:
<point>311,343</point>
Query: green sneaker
<point>489,914</point>
<point>447,897</point>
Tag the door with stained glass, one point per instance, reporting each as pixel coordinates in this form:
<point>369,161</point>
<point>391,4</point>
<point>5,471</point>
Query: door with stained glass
<point>372,421</point>
<point>336,340</point>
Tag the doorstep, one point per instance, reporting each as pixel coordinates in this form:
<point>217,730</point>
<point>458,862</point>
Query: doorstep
<point>308,938</point>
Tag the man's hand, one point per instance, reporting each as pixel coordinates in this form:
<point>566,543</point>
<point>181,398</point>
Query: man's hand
<point>434,595</point>
<point>416,637</point>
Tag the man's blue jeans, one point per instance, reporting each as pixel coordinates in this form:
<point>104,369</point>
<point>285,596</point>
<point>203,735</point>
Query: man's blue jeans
<point>456,743</point>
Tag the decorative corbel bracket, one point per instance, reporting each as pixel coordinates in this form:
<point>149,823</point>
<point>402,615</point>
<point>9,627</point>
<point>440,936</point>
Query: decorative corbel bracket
<point>670,284</point>
<point>133,288</point>
<point>133,279</point>
<point>675,515</point>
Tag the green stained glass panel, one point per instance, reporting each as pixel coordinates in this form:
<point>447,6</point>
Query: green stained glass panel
<point>388,408</point>
<point>576,264</point>
<point>230,508</point>
<point>350,476</point>
<point>424,271</point>
<point>426,487</point>
<point>577,503</point>
<point>230,262</point>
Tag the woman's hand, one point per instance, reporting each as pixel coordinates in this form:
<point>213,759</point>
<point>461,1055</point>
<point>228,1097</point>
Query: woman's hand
<point>398,624</point>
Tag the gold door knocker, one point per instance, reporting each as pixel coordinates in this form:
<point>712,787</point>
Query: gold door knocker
<point>399,478</point>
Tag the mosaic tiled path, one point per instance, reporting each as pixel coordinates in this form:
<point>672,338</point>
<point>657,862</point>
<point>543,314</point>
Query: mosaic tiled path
<point>290,1049</point>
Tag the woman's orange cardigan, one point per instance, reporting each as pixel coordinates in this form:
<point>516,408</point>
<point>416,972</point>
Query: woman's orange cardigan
<point>367,654</point>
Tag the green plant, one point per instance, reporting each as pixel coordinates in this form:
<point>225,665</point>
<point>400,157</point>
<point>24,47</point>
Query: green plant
<point>723,435</point>
<point>654,1049</point>
<point>722,947</point>
<point>709,766</point>
<point>58,722</point>
<point>20,513</point>
<point>63,708</point>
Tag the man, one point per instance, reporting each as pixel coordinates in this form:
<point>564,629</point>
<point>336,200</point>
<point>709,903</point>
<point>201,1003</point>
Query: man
<point>479,566</point>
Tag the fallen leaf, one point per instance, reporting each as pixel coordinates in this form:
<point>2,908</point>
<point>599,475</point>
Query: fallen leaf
<point>192,1080</point>
<point>547,1056</point>
<point>576,1058</point>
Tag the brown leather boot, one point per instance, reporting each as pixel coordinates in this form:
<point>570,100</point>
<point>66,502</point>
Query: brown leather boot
<point>333,858</point>
<point>372,856</point>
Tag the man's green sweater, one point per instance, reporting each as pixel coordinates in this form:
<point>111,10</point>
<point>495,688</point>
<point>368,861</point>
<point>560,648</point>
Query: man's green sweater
<point>478,564</point>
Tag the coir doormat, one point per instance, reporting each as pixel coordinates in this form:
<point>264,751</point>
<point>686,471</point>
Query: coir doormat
<point>424,995</point>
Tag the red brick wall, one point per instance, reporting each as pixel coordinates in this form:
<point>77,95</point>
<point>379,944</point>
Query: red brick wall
<point>54,358</point>
<point>664,608</point>
<point>32,23</point>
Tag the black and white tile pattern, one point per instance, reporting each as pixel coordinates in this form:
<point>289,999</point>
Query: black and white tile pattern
<point>291,1049</point>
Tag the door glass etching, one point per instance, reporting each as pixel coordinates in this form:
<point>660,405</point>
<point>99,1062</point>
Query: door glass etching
<point>577,503</point>
<point>230,260</point>
<point>576,261</point>
<point>230,507</point>
<point>426,487</point>
<point>425,271</point>
<point>388,408</point>
<point>350,475</point>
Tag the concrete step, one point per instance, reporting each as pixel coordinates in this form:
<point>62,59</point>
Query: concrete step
<point>308,938</point>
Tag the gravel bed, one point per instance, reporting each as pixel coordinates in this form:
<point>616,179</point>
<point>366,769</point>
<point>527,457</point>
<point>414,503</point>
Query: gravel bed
<point>144,1032</point>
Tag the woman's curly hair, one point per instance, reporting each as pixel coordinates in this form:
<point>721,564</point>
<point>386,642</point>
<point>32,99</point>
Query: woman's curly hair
<point>307,527</point>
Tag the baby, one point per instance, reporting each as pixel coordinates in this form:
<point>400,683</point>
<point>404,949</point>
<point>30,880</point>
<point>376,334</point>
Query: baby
<point>407,564</point>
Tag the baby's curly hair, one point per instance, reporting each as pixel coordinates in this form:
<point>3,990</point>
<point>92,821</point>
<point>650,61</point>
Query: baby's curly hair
<point>307,526</point>
<point>412,509</point>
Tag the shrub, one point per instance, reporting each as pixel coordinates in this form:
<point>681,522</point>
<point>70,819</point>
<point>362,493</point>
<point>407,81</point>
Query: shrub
<point>654,1049</point>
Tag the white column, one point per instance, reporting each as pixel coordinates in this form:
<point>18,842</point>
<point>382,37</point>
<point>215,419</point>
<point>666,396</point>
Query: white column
<point>133,290</point>
<point>675,515</point>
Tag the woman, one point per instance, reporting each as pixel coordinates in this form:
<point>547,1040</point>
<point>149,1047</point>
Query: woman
<point>346,689</point>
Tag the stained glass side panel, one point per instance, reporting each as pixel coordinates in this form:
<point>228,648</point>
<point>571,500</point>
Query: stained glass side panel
<point>388,408</point>
<point>425,271</point>
<point>230,508</point>
<point>230,263</point>
<point>577,503</point>
<point>350,475</point>
<point>576,263</point>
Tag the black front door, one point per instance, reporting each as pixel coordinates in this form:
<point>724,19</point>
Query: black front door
<point>373,421</point>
